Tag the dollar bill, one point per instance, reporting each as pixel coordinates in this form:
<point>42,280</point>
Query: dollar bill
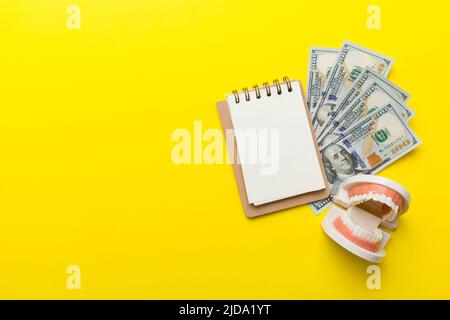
<point>321,61</point>
<point>370,145</point>
<point>374,97</point>
<point>350,63</point>
<point>360,85</point>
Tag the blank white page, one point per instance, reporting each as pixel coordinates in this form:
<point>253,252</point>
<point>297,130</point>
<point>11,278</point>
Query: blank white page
<point>291,170</point>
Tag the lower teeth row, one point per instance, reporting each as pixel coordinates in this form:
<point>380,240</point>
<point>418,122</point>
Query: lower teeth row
<point>356,230</point>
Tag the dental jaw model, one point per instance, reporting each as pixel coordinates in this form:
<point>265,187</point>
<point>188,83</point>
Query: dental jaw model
<point>363,203</point>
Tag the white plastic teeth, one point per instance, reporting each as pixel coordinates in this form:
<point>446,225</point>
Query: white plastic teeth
<point>373,237</point>
<point>360,198</point>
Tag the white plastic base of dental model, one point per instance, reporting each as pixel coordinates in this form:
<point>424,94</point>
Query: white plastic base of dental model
<point>328,226</point>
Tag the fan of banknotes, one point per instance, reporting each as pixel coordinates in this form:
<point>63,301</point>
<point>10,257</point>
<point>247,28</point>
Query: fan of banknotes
<point>360,118</point>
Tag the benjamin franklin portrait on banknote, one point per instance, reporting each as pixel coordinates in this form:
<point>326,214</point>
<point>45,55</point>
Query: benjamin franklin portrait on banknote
<point>339,165</point>
<point>324,112</point>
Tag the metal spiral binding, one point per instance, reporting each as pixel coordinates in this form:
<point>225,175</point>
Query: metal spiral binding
<point>277,84</point>
<point>286,79</point>
<point>236,96</point>
<point>266,84</point>
<point>267,88</point>
<point>258,94</point>
<point>247,95</point>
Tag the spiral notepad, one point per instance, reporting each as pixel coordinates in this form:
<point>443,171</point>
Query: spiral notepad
<point>278,164</point>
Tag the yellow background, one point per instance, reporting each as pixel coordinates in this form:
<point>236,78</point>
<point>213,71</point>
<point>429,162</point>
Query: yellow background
<point>86,176</point>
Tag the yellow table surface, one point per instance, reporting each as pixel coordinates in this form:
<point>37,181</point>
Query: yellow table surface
<point>86,176</point>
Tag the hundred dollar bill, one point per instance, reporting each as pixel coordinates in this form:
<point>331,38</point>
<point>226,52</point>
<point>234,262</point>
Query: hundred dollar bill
<point>350,63</point>
<point>374,97</point>
<point>370,145</point>
<point>361,83</point>
<point>321,61</point>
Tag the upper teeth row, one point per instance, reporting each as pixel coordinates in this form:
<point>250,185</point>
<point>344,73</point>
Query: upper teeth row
<point>360,198</point>
<point>356,230</point>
